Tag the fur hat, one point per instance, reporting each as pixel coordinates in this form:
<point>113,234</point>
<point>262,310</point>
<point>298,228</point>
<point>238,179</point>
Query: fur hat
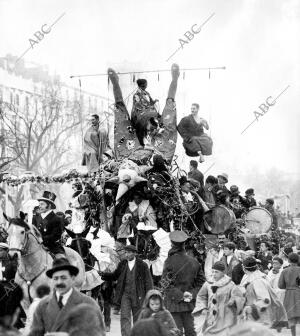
<point>219,266</point>
<point>48,197</point>
<point>60,265</point>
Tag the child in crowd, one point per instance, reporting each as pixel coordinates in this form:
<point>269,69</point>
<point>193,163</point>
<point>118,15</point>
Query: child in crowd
<point>153,307</point>
<point>41,291</point>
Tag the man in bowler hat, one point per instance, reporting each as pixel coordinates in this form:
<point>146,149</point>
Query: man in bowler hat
<point>183,277</point>
<point>49,224</point>
<point>249,198</point>
<point>133,282</point>
<point>51,314</point>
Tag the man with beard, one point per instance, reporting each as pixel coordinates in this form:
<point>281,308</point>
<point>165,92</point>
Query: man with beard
<point>95,144</point>
<point>49,224</point>
<point>52,312</point>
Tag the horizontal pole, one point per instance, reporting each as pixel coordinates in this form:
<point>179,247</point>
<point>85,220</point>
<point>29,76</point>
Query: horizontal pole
<point>149,71</point>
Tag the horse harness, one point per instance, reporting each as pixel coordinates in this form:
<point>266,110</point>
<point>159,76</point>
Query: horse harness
<point>28,282</point>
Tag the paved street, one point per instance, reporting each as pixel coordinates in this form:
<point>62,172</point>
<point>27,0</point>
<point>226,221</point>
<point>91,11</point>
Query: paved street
<point>115,328</point>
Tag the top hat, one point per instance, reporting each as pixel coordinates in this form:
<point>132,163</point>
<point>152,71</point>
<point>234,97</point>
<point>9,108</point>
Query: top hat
<point>225,176</point>
<point>62,264</point>
<point>270,201</point>
<point>178,236</point>
<point>249,192</point>
<point>48,197</point>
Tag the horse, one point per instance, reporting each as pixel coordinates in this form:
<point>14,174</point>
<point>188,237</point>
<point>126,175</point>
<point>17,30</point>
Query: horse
<point>34,259</point>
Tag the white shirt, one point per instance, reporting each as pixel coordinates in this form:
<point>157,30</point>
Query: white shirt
<point>65,296</point>
<point>229,259</point>
<point>45,214</point>
<point>131,264</point>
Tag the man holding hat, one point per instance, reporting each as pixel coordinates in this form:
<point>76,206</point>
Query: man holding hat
<point>49,224</point>
<point>184,277</point>
<point>52,312</point>
<point>220,302</point>
<point>133,282</point>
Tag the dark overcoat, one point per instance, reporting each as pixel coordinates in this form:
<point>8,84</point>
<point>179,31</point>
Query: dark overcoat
<point>143,281</point>
<point>48,317</point>
<point>181,273</point>
<point>290,281</point>
<point>51,229</point>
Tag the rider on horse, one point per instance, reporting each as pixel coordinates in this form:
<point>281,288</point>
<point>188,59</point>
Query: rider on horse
<point>49,224</point>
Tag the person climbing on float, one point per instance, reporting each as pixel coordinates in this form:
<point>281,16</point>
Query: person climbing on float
<point>191,129</point>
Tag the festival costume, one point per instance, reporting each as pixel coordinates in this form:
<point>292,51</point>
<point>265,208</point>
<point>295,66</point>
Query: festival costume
<point>273,278</point>
<point>223,301</point>
<point>290,281</point>
<point>266,307</point>
<point>194,138</point>
<point>95,143</point>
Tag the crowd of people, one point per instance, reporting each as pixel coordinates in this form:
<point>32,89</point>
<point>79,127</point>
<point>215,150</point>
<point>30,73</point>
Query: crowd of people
<point>222,290</point>
<point>169,254</point>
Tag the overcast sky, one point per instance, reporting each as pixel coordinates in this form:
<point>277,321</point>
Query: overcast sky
<point>256,40</point>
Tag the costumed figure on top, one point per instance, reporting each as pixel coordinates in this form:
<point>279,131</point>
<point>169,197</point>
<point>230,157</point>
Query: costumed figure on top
<point>220,302</point>
<point>96,143</point>
<point>49,224</point>
<point>144,117</point>
<point>191,129</point>
<point>146,126</point>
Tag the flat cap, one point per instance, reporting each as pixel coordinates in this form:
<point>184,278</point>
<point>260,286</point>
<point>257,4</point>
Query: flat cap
<point>178,236</point>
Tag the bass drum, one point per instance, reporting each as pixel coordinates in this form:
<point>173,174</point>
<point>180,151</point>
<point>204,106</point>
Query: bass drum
<point>219,219</point>
<point>258,220</point>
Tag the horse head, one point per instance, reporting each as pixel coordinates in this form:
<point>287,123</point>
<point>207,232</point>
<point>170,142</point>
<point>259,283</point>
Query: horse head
<point>79,243</point>
<point>18,236</point>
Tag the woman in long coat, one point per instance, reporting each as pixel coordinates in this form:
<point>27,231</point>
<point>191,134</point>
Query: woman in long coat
<point>221,301</point>
<point>290,281</point>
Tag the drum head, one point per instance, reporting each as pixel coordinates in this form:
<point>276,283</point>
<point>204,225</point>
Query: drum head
<point>258,220</point>
<point>219,219</point>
